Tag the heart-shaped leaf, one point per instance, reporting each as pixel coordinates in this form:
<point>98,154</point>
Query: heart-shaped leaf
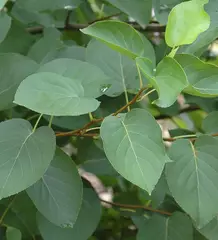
<point>134,146</point>
<point>89,217</point>
<point>14,68</point>
<point>121,69</point>
<point>61,179</point>
<point>202,77</point>
<point>192,177</point>
<point>119,36</point>
<point>25,155</point>
<point>139,10</point>
<point>185,22</point>
<point>53,94</point>
<point>178,226</point>
<point>169,79</point>
<point>91,77</point>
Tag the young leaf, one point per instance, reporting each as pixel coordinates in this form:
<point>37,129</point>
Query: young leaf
<point>140,10</point>
<point>91,77</point>
<point>178,227</point>
<point>53,94</point>
<point>25,155</point>
<point>202,76</point>
<point>119,36</point>
<point>134,146</point>
<point>192,177</point>
<point>205,38</point>
<point>89,217</point>
<point>185,22</point>
<point>169,79</point>
<point>5,24</point>
<point>14,68</point>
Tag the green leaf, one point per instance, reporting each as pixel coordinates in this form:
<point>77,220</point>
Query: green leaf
<point>49,42</point>
<point>178,227</point>
<point>205,38</point>
<point>23,40</point>
<point>54,194</point>
<point>162,9</point>
<point>53,94</point>
<point>41,5</point>
<point>5,24</point>
<point>210,231</point>
<point>89,76</point>
<point>121,69</point>
<point>2,3</point>
<point>93,159</point>
<point>13,234</point>
<point>88,218</point>
<point>209,124</point>
<point>70,123</point>
<point>21,215</point>
<point>139,10</point>
<point>119,36</point>
<point>134,146</point>
<point>185,22</point>
<point>192,177</point>
<point>202,76</point>
<point>14,68</point>
<point>169,79</point>
<point>25,155</point>
<point>72,52</point>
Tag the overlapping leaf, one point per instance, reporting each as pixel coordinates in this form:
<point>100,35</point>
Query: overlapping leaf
<point>119,36</point>
<point>140,10</point>
<point>89,217</point>
<point>58,194</point>
<point>202,76</point>
<point>21,214</point>
<point>209,124</point>
<point>14,68</point>
<point>210,231</point>
<point>185,22</point>
<point>178,227</point>
<point>205,38</point>
<point>25,155</point>
<point>5,24</point>
<point>133,145</point>
<point>168,79</point>
<point>121,69</point>
<point>53,94</point>
<point>92,78</point>
<point>192,177</point>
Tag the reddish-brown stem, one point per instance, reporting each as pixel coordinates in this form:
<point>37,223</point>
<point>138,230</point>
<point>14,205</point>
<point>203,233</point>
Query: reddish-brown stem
<point>82,131</point>
<point>129,206</point>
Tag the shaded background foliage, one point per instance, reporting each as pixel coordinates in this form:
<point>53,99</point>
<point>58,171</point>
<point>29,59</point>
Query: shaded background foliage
<point>108,113</point>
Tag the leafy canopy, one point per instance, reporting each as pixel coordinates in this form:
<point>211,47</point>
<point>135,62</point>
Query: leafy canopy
<point>108,119</point>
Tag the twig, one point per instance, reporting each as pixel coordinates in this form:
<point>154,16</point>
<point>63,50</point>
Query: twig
<point>128,206</point>
<point>82,131</point>
<point>184,110</point>
<point>189,137</point>
<point>78,26</point>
